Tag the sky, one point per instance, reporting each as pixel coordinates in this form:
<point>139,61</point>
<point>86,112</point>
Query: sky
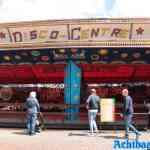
<point>28,10</point>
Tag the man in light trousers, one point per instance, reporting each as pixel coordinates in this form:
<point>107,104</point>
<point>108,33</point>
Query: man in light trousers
<point>93,106</point>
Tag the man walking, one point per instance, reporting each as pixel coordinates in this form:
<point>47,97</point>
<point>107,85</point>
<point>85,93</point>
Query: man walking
<point>128,113</point>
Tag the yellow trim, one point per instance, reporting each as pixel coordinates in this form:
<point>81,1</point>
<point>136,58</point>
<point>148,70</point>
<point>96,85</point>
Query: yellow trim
<point>76,44</point>
<point>76,21</point>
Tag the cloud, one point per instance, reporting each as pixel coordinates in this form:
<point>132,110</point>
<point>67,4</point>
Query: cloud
<point>26,10</point>
<point>20,10</point>
<point>133,8</point>
<point>17,10</point>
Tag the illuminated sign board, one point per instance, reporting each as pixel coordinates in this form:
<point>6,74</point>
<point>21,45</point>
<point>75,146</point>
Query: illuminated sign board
<point>107,110</point>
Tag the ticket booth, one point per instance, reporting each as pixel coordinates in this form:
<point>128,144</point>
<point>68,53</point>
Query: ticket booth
<point>62,60</point>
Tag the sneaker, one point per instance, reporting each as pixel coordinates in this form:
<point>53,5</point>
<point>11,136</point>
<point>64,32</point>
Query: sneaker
<point>96,131</point>
<point>126,136</point>
<point>31,134</point>
<point>38,131</point>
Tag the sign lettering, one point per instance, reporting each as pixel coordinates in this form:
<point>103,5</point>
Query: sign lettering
<point>89,32</point>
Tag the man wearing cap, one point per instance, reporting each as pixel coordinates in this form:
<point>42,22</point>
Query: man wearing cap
<point>128,113</point>
<point>33,109</point>
<point>93,106</point>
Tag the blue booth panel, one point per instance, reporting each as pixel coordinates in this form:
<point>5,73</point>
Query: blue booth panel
<point>72,83</point>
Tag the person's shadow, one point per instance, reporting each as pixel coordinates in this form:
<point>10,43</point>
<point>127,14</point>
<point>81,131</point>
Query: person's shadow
<point>112,137</point>
<point>86,134</point>
<point>77,134</point>
<point>20,133</point>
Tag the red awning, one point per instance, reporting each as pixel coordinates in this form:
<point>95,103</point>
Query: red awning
<point>54,73</point>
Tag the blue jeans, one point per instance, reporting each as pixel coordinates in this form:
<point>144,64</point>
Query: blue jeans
<point>31,122</point>
<point>92,120</point>
<point>128,124</point>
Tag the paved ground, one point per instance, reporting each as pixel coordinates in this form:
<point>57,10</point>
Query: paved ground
<point>16,139</point>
